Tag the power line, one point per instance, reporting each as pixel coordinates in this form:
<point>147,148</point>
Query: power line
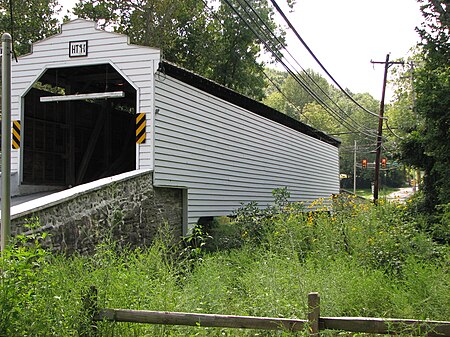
<point>297,76</point>
<point>12,28</point>
<point>317,60</point>
<point>305,72</point>
<point>285,97</point>
<point>392,132</point>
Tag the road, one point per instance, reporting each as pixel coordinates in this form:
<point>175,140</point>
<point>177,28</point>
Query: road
<point>25,198</point>
<point>400,195</point>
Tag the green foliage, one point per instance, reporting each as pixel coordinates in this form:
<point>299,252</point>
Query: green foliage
<point>402,114</point>
<point>160,24</point>
<point>426,145</point>
<point>433,102</point>
<point>298,96</point>
<point>22,266</point>
<point>295,98</point>
<point>436,224</point>
<point>316,116</point>
<point>33,20</point>
<point>277,78</point>
<point>364,260</point>
<point>254,223</point>
<point>212,42</point>
<point>349,123</point>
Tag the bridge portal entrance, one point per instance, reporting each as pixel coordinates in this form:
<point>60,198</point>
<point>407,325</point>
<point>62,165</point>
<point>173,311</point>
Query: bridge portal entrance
<point>78,126</point>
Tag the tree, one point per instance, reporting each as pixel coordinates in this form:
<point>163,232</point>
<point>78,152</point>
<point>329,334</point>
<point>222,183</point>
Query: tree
<point>315,115</point>
<point>334,114</point>
<point>357,126</point>
<point>427,147</point>
<point>212,41</point>
<point>33,20</point>
<point>164,24</point>
<point>299,96</point>
<point>274,81</point>
<point>236,64</point>
<point>402,113</point>
<point>295,97</point>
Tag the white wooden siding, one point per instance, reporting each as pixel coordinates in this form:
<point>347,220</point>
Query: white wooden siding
<point>226,155</point>
<point>135,63</point>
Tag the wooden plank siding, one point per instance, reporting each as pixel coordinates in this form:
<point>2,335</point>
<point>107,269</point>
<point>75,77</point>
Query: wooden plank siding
<point>136,63</point>
<point>226,155</point>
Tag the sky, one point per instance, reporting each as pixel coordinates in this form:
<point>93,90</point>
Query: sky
<point>346,35</point>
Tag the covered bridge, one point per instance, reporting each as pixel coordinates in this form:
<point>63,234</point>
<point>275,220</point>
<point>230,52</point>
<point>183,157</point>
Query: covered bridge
<point>91,105</point>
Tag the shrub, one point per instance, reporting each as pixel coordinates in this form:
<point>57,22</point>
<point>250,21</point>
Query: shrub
<point>364,260</point>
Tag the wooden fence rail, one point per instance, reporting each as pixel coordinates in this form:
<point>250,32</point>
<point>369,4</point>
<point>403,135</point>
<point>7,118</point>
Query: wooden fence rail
<point>203,320</point>
<point>313,325</point>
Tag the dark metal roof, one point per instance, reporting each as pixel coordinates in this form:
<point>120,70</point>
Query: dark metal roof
<point>231,96</point>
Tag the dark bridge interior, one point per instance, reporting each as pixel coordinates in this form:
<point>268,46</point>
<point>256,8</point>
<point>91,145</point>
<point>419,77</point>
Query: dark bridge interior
<point>67,143</point>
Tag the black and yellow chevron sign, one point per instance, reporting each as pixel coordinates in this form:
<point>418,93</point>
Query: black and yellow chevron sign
<point>16,135</point>
<point>140,128</point>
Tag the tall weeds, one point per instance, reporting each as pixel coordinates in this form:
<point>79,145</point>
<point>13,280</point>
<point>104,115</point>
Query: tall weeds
<point>364,261</point>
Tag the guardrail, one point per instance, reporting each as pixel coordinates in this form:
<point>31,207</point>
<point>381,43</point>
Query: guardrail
<point>313,325</point>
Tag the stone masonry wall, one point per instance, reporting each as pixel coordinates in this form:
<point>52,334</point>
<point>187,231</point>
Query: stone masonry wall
<point>129,212</point>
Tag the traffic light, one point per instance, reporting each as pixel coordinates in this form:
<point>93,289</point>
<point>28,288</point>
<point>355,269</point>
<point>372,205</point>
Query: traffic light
<point>364,163</point>
<point>383,163</point>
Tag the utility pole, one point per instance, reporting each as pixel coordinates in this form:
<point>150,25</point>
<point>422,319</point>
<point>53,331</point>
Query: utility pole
<point>413,92</point>
<point>6,140</point>
<point>376,185</point>
<point>354,169</point>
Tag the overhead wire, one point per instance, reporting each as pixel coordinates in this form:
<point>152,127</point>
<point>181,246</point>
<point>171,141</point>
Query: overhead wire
<point>264,73</point>
<point>280,11</point>
<point>267,46</point>
<point>284,95</point>
<point>12,28</point>
<point>304,86</point>
<point>298,77</point>
<point>392,132</point>
<point>295,60</point>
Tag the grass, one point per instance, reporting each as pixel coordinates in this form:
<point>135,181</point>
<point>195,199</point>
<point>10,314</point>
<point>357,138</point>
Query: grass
<point>363,260</point>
